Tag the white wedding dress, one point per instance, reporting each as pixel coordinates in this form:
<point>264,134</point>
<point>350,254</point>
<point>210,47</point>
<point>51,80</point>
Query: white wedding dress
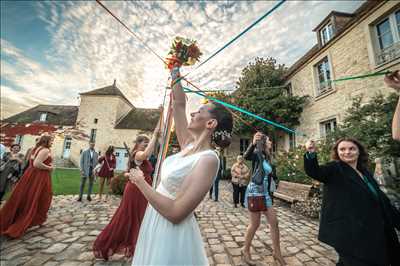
<point>161,242</point>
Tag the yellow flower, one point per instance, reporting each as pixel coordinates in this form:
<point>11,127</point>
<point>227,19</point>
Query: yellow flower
<point>204,101</point>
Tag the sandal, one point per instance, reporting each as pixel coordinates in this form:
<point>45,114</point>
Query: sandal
<point>246,257</point>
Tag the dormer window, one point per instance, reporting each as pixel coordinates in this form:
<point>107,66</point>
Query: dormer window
<point>326,33</point>
<point>43,117</point>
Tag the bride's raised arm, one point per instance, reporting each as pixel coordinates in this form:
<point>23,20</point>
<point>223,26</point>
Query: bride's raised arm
<point>179,110</point>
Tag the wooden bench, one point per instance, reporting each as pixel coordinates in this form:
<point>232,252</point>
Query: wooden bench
<point>292,192</point>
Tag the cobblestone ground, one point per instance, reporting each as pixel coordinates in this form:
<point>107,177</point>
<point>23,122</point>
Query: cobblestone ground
<point>67,236</point>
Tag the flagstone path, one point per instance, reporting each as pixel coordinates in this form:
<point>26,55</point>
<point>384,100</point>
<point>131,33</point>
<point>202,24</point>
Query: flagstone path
<point>67,236</point>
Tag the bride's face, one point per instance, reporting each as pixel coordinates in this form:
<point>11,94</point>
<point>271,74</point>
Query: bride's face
<point>198,120</point>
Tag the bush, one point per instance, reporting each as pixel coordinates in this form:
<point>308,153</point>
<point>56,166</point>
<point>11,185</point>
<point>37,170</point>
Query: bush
<point>310,207</point>
<point>289,167</point>
<point>118,184</point>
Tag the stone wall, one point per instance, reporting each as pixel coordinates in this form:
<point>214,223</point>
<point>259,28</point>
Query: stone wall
<point>106,109</point>
<point>350,55</point>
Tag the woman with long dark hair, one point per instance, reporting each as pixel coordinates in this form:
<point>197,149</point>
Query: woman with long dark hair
<point>107,170</point>
<point>357,218</point>
<point>258,197</point>
<point>121,234</point>
<point>30,200</point>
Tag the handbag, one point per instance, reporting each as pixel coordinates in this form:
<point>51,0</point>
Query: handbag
<point>256,203</point>
<point>97,168</point>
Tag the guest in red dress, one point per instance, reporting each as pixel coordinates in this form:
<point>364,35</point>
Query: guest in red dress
<point>31,198</point>
<point>121,234</point>
<point>107,170</point>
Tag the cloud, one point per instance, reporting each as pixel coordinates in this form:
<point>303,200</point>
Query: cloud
<point>89,48</point>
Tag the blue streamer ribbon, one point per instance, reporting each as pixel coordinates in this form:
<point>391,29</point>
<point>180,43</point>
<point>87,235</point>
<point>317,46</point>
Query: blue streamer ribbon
<point>231,106</point>
<point>241,33</point>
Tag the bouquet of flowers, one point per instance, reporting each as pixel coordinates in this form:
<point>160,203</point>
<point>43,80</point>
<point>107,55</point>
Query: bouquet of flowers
<point>183,52</point>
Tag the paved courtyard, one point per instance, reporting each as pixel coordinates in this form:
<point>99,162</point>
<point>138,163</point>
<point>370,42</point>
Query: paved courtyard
<point>67,236</point>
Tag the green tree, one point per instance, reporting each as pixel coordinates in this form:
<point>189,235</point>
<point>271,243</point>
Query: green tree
<point>260,90</point>
<point>371,124</point>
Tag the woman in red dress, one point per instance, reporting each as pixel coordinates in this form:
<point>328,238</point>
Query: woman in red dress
<point>121,234</point>
<point>107,170</point>
<point>31,198</point>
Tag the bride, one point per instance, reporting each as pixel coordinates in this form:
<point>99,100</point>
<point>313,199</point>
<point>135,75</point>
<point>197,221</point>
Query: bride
<point>169,234</point>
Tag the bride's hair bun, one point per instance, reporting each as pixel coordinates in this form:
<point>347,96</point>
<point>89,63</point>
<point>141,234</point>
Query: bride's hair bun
<point>222,135</point>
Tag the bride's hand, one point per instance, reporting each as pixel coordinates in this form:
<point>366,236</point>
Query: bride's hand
<point>136,176</point>
<point>175,74</point>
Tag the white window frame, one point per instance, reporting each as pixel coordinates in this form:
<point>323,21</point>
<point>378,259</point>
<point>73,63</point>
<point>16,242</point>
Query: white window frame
<point>292,141</point>
<point>43,117</point>
<point>322,126</point>
<point>383,56</point>
<point>18,139</point>
<point>93,134</point>
<point>243,145</point>
<point>328,28</point>
<point>320,90</point>
<point>289,89</point>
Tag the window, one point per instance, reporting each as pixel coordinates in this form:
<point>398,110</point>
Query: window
<point>289,89</point>
<point>43,117</point>
<point>323,71</point>
<point>18,139</point>
<point>117,154</point>
<point>326,33</point>
<point>95,120</point>
<point>387,38</point>
<point>126,155</point>
<point>327,127</point>
<point>244,144</point>
<point>93,135</point>
<point>68,142</point>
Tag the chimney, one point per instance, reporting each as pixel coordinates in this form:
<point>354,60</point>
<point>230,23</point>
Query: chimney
<point>115,81</point>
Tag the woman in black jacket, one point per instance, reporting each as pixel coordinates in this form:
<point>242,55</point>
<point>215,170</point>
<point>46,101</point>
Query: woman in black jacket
<point>357,218</point>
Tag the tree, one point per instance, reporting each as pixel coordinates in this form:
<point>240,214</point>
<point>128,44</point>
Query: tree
<point>260,90</point>
<point>370,123</point>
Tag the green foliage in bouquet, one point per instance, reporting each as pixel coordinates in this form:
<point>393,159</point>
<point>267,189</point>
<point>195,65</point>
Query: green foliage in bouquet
<point>184,52</point>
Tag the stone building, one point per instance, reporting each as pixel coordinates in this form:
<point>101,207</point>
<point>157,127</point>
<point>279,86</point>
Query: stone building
<point>104,116</point>
<point>365,41</point>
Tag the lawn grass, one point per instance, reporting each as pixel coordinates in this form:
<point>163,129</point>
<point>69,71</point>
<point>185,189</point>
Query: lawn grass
<point>67,181</point>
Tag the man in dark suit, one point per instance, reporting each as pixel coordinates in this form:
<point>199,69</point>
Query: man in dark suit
<point>87,163</point>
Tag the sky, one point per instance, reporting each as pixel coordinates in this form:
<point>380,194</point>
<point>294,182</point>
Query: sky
<point>53,50</point>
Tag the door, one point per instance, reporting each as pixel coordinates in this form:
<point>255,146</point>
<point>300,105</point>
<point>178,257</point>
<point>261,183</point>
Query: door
<point>67,147</point>
<point>122,159</point>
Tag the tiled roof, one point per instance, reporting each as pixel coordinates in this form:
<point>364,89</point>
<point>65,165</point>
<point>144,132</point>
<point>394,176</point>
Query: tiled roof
<point>108,90</point>
<point>64,115</point>
<point>357,15</point>
<point>139,118</point>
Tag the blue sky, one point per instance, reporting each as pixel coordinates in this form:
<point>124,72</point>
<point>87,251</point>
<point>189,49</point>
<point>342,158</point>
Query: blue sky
<point>53,50</point>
